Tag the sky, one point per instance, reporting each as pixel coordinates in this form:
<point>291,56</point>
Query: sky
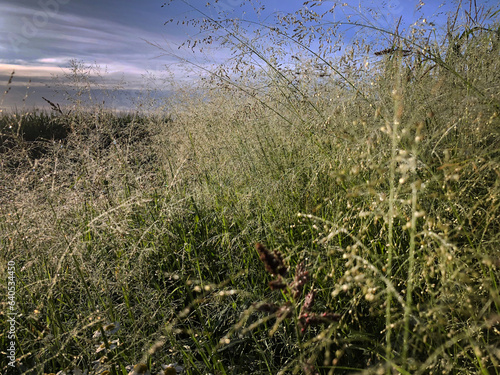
<point>39,38</point>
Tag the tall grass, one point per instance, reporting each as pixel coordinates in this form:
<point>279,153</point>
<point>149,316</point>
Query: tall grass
<point>371,186</point>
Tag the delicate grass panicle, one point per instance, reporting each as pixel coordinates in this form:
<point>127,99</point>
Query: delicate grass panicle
<point>372,173</point>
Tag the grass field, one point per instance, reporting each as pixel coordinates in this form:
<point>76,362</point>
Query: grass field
<point>274,223</point>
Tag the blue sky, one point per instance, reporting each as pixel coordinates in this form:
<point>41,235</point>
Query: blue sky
<point>38,38</point>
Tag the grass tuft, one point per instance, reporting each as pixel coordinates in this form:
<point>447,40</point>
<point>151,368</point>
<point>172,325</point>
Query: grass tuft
<point>373,177</point>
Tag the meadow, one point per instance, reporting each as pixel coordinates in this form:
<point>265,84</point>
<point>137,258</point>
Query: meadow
<point>336,216</point>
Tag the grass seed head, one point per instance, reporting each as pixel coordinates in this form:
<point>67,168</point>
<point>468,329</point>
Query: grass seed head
<point>273,261</point>
<point>171,369</point>
<point>309,301</point>
<point>140,369</point>
<point>277,284</point>
<point>301,278</point>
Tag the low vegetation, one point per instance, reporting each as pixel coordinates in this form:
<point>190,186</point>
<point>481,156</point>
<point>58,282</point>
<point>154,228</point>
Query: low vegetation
<point>330,216</point>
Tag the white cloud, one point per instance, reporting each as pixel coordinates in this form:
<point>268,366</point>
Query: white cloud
<point>57,61</point>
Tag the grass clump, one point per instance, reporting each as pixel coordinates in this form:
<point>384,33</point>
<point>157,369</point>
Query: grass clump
<point>375,176</point>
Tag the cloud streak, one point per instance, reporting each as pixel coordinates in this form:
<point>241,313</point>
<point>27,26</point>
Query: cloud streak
<point>73,36</point>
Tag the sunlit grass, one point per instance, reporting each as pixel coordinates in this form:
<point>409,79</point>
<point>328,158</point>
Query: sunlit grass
<point>376,219</point>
